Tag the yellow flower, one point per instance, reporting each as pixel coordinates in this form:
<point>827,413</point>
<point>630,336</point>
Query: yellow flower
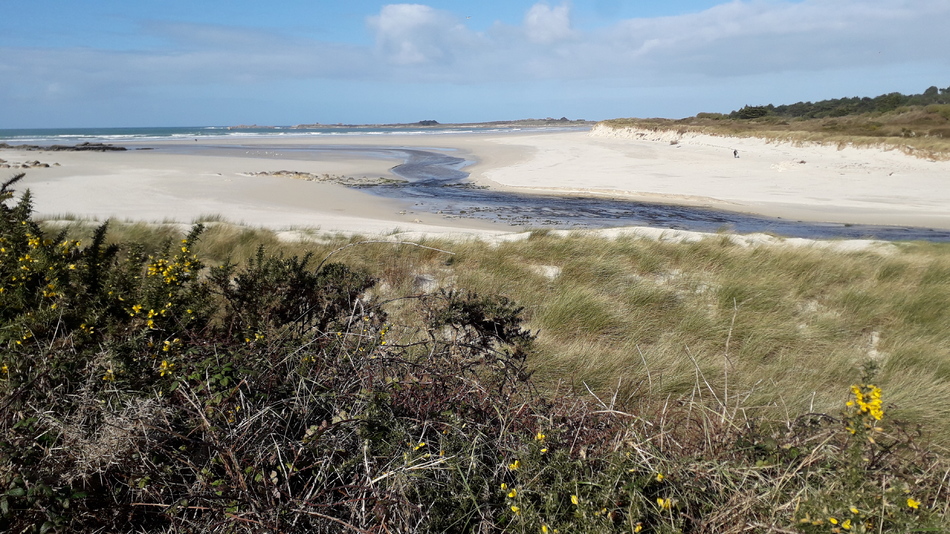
<point>109,376</point>
<point>638,527</point>
<point>854,510</point>
<point>419,446</point>
<point>659,477</point>
<point>539,436</point>
<point>911,502</point>
<point>665,504</point>
<point>504,486</point>
<point>165,368</point>
<point>516,510</point>
<point>513,493</point>
<point>868,400</point>
<point>514,466</point>
<point>833,521</point>
<point>846,525</point>
<point>545,529</point>
<point>5,369</point>
<point>575,500</point>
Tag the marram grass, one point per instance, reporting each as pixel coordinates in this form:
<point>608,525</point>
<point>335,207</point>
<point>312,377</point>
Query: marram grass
<point>781,326</point>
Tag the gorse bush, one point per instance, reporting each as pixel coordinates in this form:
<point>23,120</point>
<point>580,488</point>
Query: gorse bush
<point>141,390</point>
<point>145,391</point>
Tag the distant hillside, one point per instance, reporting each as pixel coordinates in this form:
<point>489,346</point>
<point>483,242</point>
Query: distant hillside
<point>916,124</point>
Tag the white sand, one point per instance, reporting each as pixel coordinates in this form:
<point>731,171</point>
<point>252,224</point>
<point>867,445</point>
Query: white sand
<point>813,183</point>
<point>140,185</point>
<point>805,183</point>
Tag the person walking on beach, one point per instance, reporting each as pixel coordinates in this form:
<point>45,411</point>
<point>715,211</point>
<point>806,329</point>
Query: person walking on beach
<point>735,153</point>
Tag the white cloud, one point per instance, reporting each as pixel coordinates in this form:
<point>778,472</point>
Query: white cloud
<point>418,42</point>
<point>767,36</point>
<point>544,24</point>
<point>413,34</point>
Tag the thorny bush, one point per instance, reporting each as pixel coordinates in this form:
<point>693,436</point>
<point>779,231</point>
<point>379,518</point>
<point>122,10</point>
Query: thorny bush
<point>150,393</point>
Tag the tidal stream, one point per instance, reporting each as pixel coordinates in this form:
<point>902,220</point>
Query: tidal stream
<point>437,183</point>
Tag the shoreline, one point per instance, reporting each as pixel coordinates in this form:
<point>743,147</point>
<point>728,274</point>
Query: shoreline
<point>184,182</point>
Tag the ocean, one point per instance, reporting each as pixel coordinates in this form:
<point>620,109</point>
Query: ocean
<point>66,136</point>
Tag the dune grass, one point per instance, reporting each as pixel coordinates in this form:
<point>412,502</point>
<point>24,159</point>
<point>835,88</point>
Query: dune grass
<point>922,131</point>
<point>783,328</point>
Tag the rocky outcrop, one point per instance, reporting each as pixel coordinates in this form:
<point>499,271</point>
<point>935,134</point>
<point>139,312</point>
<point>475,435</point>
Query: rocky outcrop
<point>4,164</point>
<point>351,181</point>
<point>90,147</point>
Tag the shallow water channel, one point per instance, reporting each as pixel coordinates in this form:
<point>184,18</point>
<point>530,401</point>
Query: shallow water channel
<point>437,183</point>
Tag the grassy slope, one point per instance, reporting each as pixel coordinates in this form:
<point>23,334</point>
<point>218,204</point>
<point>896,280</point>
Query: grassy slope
<point>920,130</point>
<point>783,330</point>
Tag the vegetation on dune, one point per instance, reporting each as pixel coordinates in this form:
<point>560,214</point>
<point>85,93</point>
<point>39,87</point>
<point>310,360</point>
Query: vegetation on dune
<point>840,107</point>
<point>224,381</point>
<point>917,124</point>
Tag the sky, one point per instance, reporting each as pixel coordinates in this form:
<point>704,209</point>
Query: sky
<point>116,63</point>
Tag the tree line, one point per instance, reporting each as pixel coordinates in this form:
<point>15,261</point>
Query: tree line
<point>839,107</point>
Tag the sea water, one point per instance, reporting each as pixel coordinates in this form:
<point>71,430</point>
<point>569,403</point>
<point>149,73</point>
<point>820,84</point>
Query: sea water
<point>66,136</point>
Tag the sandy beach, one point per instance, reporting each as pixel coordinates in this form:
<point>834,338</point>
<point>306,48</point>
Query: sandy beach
<point>176,182</point>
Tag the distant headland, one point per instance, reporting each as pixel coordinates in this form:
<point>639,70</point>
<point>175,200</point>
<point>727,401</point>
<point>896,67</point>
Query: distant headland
<point>430,123</point>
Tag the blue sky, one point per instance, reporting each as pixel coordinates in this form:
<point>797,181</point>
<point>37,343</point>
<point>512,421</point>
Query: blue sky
<point>173,63</point>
